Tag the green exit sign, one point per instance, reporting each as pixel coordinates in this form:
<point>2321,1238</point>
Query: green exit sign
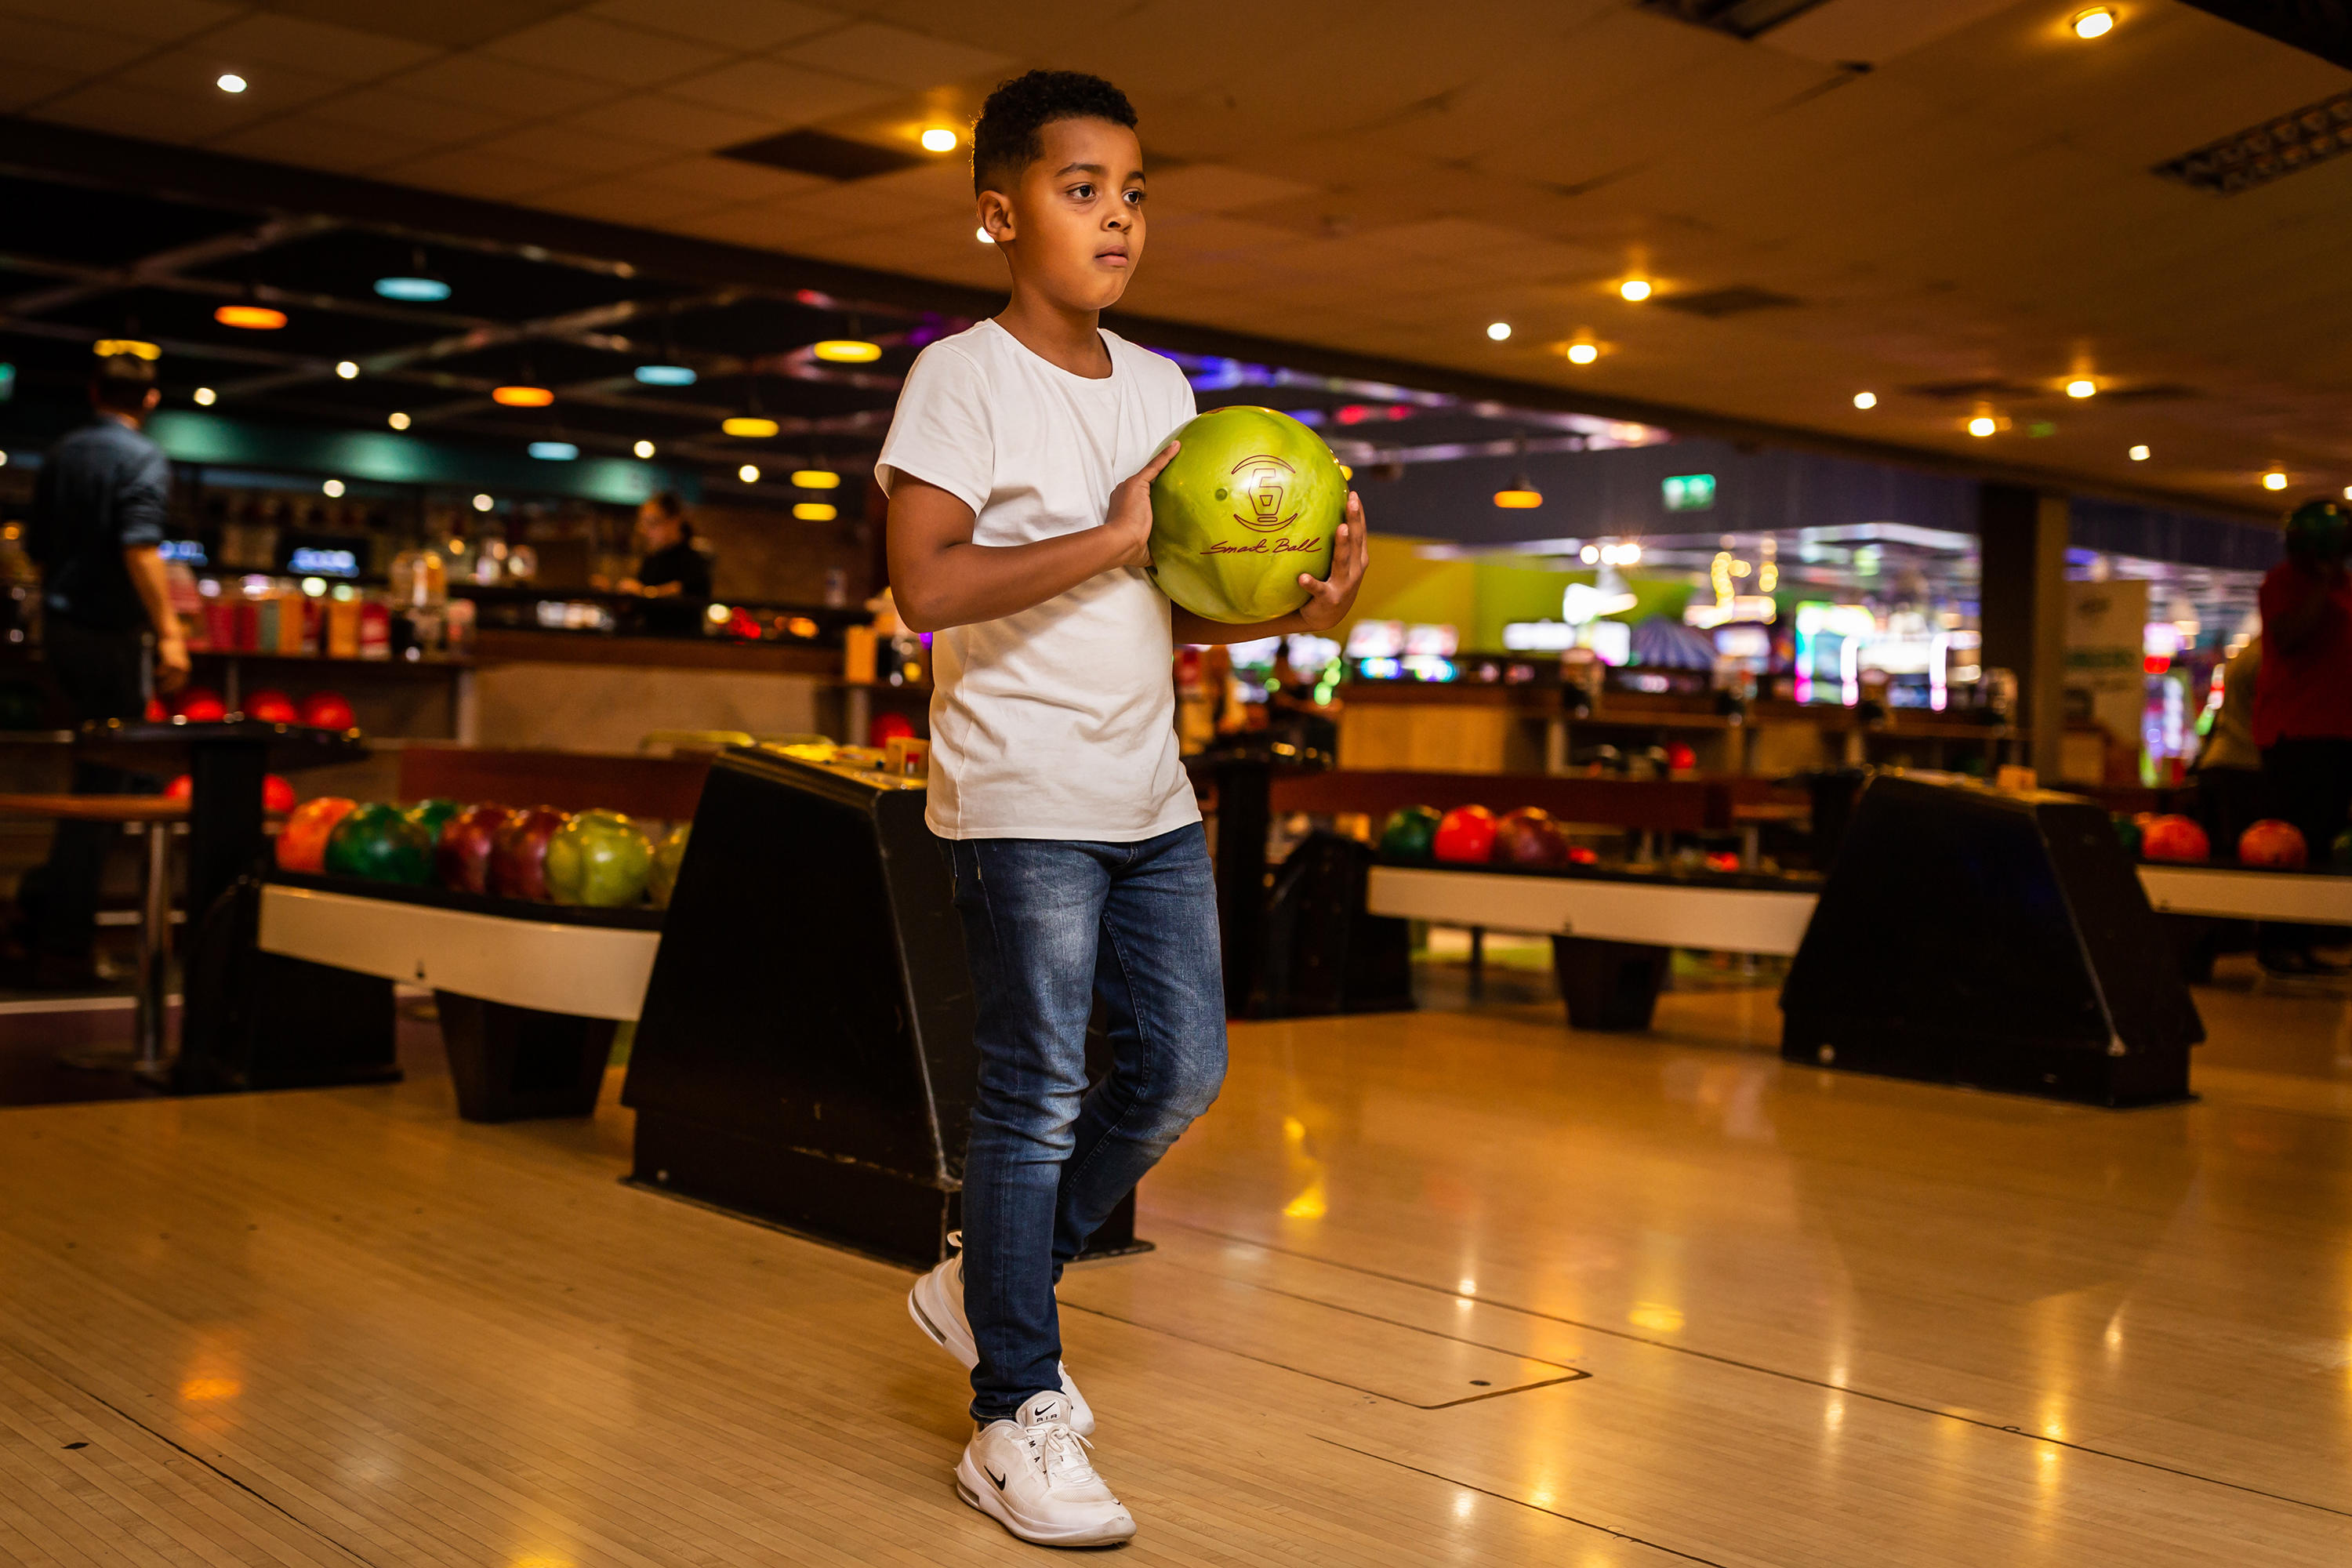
<point>1690,492</point>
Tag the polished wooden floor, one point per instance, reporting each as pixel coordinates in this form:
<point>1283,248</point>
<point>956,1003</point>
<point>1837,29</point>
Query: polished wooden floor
<point>1455,1287</point>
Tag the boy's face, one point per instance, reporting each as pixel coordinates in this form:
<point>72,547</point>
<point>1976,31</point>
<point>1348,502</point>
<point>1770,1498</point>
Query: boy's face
<point>1072,226</point>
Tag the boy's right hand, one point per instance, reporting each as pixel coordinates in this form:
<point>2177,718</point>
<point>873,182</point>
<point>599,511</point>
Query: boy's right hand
<point>1129,519</point>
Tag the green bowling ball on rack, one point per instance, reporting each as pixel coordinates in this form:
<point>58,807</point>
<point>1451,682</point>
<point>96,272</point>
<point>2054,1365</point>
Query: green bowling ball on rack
<point>2339,854</point>
<point>1253,499</point>
<point>1410,832</point>
<point>429,815</point>
<point>2127,833</point>
<point>600,860</point>
<point>380,843</point>
<point>668,856</point>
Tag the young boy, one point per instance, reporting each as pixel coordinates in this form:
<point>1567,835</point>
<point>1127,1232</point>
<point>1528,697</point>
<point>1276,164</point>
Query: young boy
<point>1019,469</point>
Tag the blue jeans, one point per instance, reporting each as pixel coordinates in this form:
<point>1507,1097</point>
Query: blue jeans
<point>1051,925</point>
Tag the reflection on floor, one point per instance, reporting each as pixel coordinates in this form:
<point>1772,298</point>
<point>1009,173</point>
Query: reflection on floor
<point>1820,1319</point>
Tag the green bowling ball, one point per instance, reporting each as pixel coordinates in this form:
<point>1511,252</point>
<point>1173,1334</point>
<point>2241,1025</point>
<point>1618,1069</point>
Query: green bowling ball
<point>380,843</point>
<point>1410,832</point>
<point>598,859</point>
<point>1253,499</point>
<point>429,815</point>
<point>669,854</point>
<point>2127,834</point>
<point>2339,854</point>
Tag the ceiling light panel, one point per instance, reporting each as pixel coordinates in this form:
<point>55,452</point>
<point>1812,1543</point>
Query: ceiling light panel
<point>2271,151</point>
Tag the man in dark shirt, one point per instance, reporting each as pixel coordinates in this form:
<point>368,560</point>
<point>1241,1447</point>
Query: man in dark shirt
<point>98,509</point>
<point>2303,701</point>
<point>674,576</point>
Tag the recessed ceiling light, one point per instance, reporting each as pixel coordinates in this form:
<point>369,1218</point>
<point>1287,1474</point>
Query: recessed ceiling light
<point>2274,480</point>
<point>1983,425</point>
<point>749,474</point>
<point>554,451</point>
<point>414,291</point>
<point>332,490</point>
<point>666,374</point>
<point>252,317</point>
<point>816,480</point>
<point>204,396</point>
<point>847,351</point>
<point>230,82</point>
<point>521,397</point>
<point>1516,499</point>
<point>348,370</point>
<point>2082,386</point>
<point>398,421</point>
<point>483,503</point>
<point>2139,454</point>
<point>749,426</point>
<point>815,511</point>
<point>2095,23</point>
<point>107,348</point>
<point>1634,289</point>
<point>1866,400</point>
<point>982,236</point>
<point>1583,353</point>
<point>644,448</point>
<point>2347,492</point>
<point>939,139</point>
<point>1498,330</point>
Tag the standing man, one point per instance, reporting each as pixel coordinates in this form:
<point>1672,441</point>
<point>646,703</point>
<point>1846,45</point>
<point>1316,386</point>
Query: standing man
<point>674,576</point>
<point>98,516</point>
<point>2303,698</point>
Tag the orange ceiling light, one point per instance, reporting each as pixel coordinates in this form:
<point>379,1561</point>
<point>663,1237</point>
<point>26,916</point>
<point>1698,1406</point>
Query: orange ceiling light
<point>1519,500</point>
<point>749,426</point>
<point>521,397</point>
<point>252,317</point>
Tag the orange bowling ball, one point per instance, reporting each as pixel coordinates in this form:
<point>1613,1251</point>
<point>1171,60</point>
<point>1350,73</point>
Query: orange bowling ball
<point>303,842</point>
<point>1466,835</point>
<point>2173,838</point>
<point>2274,844</point>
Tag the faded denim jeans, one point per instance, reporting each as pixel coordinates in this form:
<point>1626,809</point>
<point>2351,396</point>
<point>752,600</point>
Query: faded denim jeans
<point>1051,925</point>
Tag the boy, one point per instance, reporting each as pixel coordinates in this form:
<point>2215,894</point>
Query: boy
<point>1019,468</point>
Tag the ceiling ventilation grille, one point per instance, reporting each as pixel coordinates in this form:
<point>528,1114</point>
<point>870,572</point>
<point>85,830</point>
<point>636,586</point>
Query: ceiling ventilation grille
<point>1740,18</point>
<point>2271,151</point>
<point>1736,300</point>
<point>827,157</point>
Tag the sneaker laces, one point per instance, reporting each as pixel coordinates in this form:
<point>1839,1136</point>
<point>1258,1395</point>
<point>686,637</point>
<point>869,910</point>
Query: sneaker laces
<point>1062,1453</point>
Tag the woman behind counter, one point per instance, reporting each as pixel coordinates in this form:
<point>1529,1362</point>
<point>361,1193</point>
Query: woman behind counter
<point>673,576</point>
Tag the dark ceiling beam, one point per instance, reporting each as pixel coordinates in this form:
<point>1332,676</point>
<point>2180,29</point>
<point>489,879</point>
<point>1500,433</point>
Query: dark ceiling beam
<point>164,263</point>
<point>39,150</point>
<point>105,280</point>
<point>67,331</point>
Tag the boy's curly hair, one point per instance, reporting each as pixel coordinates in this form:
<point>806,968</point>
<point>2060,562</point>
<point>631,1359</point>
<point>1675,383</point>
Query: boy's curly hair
<point>1004,139</point>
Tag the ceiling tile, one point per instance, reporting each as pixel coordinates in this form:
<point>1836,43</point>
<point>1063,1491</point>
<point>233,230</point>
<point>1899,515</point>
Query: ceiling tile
<point>1217,187</point>
<point>480,79</point>
<point>313,141</point>
<point>606,51</point>
<point>881,53</point>
<point>760,224</point>
<point>24,42</point>
<point>471,172</point>
<point>444,24</point>
<point>570,147</point>
<point>160,20</point>
<point>785,93</point>
<point>675,123</point>
<point>643,203</point>
<point>435,120</point>
<point>318,47</point>
<point>189,72</point>
<point>122,110</point>
<point>24,86</point>
<point>731,24</point>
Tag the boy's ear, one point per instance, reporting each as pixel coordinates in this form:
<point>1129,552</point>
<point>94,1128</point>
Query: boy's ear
<point>997,216</point>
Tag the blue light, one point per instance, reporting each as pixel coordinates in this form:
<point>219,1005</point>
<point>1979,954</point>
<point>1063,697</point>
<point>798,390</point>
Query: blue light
<point>416,290</point>
<point>309,563</point>
<point>666,374</point>
<point>554,451</point>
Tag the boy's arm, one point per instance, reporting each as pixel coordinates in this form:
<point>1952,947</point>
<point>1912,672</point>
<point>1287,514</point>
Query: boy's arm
<point>940,578</point>
<point>1328,602</point>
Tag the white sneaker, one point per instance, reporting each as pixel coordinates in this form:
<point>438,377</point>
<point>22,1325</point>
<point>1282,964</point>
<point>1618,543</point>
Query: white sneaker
<point>936,1304</point>
<point>1030,1475</point>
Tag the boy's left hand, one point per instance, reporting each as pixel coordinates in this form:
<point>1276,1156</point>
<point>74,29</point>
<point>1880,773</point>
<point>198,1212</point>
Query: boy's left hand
<point>1329,601</point>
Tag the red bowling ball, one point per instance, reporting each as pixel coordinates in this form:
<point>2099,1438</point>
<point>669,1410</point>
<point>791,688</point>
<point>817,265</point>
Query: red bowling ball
<point>1530,836</point>
<point>272,708</point>
<point>201,705</point>
<point>1466,835</point>
<point>519,852</point>
<point>2173,838</point>
<point>276,795</point>
<point>2276,845</point>
<point>461,859</point>
<point>328,711</point>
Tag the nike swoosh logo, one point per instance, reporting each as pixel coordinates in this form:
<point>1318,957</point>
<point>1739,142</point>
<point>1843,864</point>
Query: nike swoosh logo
<point>993,1476</point>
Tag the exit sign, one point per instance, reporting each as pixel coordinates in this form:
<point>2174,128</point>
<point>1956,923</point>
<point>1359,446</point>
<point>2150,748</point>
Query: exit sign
<point>1690,492</point>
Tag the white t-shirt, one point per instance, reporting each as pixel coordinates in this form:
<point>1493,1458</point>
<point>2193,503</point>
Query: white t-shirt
<point>1057,722</point>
